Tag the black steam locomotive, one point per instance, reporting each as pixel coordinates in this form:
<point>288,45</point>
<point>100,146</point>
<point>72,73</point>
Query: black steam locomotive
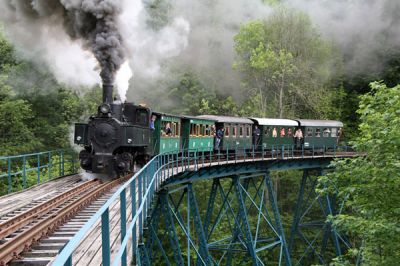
<point>115,138</point>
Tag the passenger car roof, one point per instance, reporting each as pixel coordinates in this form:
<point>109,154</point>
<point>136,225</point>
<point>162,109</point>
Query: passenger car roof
<point>196,118</point>
<point>275,122</point>
<point>319,123</point>
<point>227,119</point>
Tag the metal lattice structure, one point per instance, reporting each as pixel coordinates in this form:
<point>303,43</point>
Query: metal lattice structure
<point>316,235</point>
<point>238,223</point>
<point>224,233</point>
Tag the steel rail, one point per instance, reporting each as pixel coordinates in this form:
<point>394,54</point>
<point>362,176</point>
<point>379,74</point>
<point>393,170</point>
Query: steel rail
<point>17,222</point>
<point>11,249</point>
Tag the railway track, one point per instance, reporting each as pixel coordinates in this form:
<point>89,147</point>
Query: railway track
<point>34,234</point>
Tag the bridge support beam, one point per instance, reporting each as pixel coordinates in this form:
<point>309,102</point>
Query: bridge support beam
<point>234,224</point>
<point>279,227</point>
<point>310,219</point>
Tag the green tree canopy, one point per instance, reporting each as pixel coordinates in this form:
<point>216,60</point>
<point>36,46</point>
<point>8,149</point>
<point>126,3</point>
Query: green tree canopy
<point>285,64</point>
<point>371,184</point>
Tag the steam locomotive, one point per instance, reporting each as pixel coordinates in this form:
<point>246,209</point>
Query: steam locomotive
<point>122,134</point>
<point>115,138</point>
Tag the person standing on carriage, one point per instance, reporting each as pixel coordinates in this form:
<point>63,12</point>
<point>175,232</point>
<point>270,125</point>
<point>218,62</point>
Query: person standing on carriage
<point>298,138</point>
<point>218,137</point>
<point>256,136</point>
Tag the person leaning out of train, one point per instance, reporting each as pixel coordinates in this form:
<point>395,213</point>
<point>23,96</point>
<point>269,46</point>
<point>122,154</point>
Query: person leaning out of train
<point>168,130</point>
<point>213,131</point>
<point>283,132</point>
<point>274,133</point>
<point>289,133</point>
<point>152,122</point>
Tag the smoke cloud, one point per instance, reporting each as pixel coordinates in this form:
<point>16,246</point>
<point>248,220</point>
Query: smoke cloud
<point>365,30</point>
<point>78,39</point>
<point>60,27</point>
<point>201,42</point>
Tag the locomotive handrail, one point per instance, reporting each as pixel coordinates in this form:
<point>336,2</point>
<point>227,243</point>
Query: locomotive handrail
<point>148,180</point>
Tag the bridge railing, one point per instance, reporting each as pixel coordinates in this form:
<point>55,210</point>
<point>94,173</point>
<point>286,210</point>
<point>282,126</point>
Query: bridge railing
<point>142,187</point>
<point>23,171</point>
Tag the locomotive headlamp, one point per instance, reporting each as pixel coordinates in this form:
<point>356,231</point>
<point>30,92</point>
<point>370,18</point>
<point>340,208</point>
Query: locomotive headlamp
<point>104,108</point>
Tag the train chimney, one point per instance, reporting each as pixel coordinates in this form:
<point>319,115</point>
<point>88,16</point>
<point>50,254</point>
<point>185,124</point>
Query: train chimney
<point>107,93</point>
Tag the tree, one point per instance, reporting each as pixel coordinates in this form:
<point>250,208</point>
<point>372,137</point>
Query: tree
<point>371,183</point>
<point>189,96</point>
<point>285,62</point>
<point>15,135</point>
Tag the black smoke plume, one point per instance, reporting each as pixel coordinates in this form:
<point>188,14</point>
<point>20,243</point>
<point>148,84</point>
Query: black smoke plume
<point>94,22</point>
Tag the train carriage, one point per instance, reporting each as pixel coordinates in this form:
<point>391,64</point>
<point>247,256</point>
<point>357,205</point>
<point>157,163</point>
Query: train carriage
<point>275,131</point>
<point>319,134</point>
<point>166,140</point>
<point>237,131</point>
<point>197,133</point>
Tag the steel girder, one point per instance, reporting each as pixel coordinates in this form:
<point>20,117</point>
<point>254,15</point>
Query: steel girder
<point>245,168</point>
<point>316,234</point>
<point>237,224</point>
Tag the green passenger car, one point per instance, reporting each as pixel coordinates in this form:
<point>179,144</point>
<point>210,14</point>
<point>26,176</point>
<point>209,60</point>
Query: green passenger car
<point>237,131</point>
<point>320,133</point>
<point>197,134</point>
<point>166,140</point>
<point>275,132</point>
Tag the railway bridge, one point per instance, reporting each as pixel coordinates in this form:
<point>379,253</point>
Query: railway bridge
<point>162,216</point>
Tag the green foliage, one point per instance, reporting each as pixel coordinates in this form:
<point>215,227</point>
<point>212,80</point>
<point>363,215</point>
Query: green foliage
<point>371,183</point>
<point>37,113</point>
<point>15,134</point>
<point>7,57</point>
<point>159,13</point>
<point>286,63</point>
<point>58,166</point>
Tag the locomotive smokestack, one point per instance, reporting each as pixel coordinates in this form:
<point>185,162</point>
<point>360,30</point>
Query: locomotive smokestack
<point>107,93</point>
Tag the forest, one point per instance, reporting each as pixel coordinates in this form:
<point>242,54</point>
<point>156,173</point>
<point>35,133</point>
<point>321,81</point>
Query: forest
<point>283,67</point>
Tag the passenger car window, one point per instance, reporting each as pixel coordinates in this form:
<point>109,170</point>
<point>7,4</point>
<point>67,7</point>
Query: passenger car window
<point>267,131</point>
<point>326,132</point>
<point>248,131</point>
<point>198,133</point>
<point>309,132</point>
<point>274,132</point>
<point>290,133</point>
<point>283,132</point>
<point>318,132</point>
<point>334,132</point>
<point>173,130</point>
<point>192,129</point>
<point>167,128</point>
<point>227,131</point>
<point>240,131</point>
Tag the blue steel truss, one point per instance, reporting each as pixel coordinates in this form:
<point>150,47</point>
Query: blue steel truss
<point>315,234</point>
<point>241,185</point>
